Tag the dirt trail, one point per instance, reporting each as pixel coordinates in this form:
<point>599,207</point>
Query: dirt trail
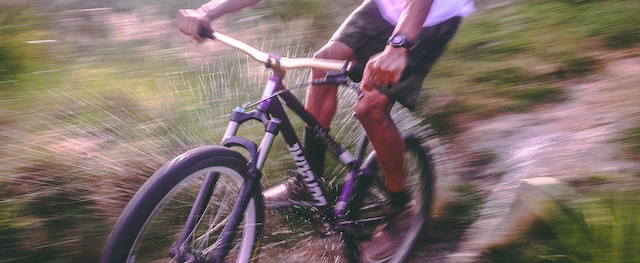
<point>568,141</point>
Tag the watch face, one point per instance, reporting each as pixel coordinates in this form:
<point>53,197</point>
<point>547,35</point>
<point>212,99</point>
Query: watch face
<point>397,40</point>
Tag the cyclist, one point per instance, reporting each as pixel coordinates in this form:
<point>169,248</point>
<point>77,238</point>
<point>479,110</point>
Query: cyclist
<point>401,40</point>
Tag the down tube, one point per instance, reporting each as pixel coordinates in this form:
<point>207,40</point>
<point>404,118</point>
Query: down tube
<point>310,179</point>
<point>294,104</point>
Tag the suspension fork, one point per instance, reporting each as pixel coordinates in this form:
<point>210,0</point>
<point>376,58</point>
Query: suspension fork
<point>250,186</point>
<point>351,180</point>
<point>180,250</point>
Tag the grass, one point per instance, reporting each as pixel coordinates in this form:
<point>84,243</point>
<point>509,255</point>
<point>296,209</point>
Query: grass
<point>17,56</point>
<point>590,230</point>
<point>79,141</point>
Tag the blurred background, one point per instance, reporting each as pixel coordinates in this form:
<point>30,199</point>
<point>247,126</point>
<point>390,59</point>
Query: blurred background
<point>96,95</point>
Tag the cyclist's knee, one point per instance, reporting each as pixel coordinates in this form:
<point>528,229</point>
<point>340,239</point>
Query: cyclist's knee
<point>332,50</point>
<point>323,53</point>
<point>372,111</point>
<point>335,50</point>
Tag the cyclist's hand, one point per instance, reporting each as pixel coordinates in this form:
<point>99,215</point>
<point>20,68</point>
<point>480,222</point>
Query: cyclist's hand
<point>384,69</point>
<point>192,22</point>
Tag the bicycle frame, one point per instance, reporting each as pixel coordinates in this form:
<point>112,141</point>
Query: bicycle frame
<point>272,114</point>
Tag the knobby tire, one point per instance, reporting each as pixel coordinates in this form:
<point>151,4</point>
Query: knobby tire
<point>152,222</point>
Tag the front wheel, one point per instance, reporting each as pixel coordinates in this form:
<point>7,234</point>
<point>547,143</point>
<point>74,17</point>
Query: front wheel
<point>370,242</point>
<point>156,218</point>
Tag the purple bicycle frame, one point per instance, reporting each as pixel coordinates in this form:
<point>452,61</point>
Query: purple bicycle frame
<point>272,114</point>
<point>272,111</point>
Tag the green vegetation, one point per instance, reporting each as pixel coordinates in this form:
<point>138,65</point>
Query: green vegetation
<point>17,56</point>
<point>59,220</point>
<point>590,230</point>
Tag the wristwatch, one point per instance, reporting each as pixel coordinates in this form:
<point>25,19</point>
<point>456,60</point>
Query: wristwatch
<point>398,40</point>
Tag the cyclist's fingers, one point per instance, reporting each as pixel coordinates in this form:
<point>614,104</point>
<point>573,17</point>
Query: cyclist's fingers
<point>374,75</point>
<point>366,78</point>
<point>185,21</point>
<point>384,78</point>
<point>394,78</point>
<point>392,74</point>
<point>374,82</point>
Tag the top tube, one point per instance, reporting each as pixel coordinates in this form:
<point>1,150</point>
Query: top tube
<point>284,62</point>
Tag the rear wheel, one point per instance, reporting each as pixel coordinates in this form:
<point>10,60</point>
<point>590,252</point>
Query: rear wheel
<point>367,241</point>
<point>152,223</point>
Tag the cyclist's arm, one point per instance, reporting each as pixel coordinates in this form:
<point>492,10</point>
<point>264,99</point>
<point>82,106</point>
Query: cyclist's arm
<point>192,22</point>
<point>412,18</point>
<point>385,68</point>
<point>217,8</point>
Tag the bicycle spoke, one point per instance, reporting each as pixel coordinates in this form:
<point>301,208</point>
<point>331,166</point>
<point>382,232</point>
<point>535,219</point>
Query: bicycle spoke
<point>203,240</point>
<point>200,240</point>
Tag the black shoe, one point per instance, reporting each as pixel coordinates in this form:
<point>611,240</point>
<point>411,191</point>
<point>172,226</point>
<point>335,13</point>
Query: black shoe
<point>290,193</point>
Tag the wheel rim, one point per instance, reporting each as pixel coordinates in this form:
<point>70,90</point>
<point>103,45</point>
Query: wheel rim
<point>164,225</point>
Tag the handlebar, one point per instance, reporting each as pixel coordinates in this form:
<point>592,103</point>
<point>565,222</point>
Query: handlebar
<point>275,61</point>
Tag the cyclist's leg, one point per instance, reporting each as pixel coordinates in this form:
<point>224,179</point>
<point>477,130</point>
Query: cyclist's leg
<point>322,101</point>
<point>373,112</point>
<point>373,109</point>
<point>360,36</point>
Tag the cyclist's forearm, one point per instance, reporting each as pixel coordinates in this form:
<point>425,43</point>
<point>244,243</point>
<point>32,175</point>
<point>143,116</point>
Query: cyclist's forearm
<point>412,18</point>
<point>218,8</point>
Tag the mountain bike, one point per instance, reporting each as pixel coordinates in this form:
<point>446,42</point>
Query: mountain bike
<point>206,205</point>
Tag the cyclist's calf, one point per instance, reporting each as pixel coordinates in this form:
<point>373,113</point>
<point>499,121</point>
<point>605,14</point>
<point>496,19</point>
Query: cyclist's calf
<point>373,111</point>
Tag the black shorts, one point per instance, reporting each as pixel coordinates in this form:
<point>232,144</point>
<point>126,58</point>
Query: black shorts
<point>366,32</point>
